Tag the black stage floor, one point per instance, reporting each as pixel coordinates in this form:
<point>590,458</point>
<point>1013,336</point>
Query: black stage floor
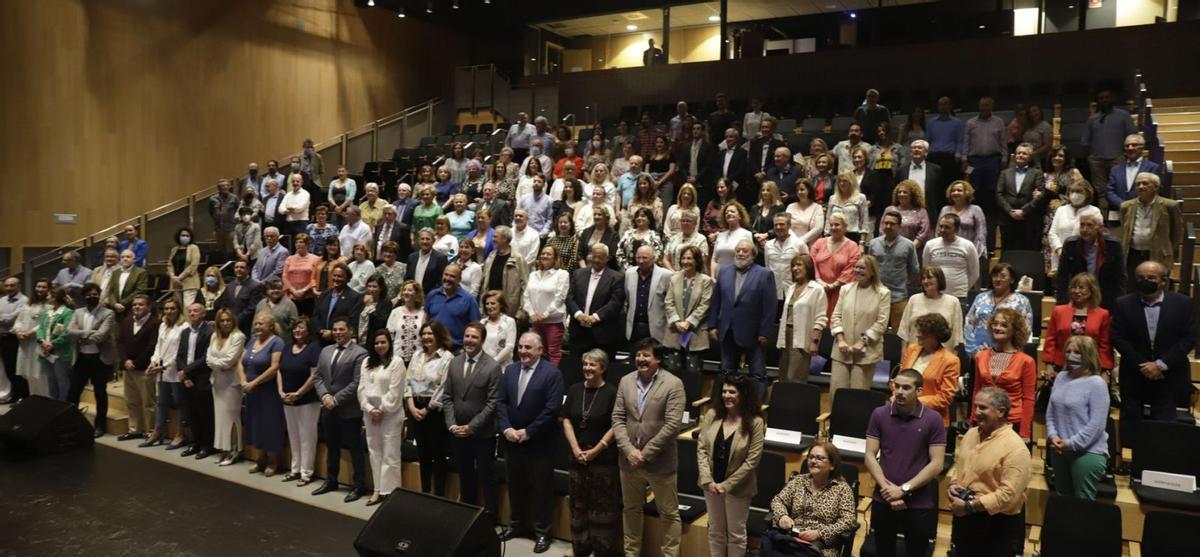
<point>105,502</point>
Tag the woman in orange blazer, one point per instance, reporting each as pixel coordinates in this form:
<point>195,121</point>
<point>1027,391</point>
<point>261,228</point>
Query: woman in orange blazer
<point>939,367</point>
<point>1008,367</point>
<point>1083,316</point>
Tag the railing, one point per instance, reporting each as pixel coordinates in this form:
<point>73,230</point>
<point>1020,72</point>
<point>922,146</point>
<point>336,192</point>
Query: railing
<point>352,149</point>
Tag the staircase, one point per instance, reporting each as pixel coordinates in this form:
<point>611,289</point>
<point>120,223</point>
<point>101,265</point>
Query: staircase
<point>1178,122</point>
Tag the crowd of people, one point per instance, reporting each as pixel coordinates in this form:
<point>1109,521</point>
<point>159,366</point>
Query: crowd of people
<point>449,306</point>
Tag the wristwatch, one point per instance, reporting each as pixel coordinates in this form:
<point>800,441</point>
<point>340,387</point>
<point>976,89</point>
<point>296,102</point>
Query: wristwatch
<point>906,488</point>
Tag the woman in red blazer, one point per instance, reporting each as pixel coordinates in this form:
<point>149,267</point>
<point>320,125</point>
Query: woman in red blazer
<point>1008,367</point>
<point>1083,316</point>
<point>939,367</point>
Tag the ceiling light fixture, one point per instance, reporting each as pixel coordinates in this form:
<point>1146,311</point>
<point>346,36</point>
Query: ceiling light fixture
<point>714,18</point>
<point>400,14</point>
<point>631,27</point>
<point>853,15</point>
<point>429,7</point>
<point>370,3</point>
<point>454,5</point>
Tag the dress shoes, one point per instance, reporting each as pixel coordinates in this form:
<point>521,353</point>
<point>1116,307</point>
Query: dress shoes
<point>174,446</point>
<point>507,533</point>
<point>98,433</point>
<point>129,436</point>
<point>541,543</point>
<point>191,450</point>
<point>204,453</point>
<point>325,488</point>
<point>151,443</point>
<point>354,495</point>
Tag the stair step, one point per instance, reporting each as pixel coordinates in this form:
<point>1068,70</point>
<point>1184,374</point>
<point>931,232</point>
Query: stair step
<point>1170,137</point>
<point>1181,166</point>
<point>1177,117</point>
<point>1175,102</point>
<point>1175,126</point>
<point>1185,179</point>
<point>116,396</point>
<point>1184,155</point>
<point>1186,191</point>
<point>1175,109</point>
<point>115,423</point>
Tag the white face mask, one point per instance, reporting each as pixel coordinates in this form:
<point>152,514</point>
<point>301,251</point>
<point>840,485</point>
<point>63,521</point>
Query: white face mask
<point>1077,198</point>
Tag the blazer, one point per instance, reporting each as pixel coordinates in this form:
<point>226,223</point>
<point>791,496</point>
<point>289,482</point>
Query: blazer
<point>137,283</point>
<point>500,211</point>
<point>935,193</point>
<point>349,304</point>
<point>198,371</point>
<point>433,270</point>
<point>1007,201</point>
<point>1166,228</point>
<point>137,347</point>
<point>609,238</point>
<point>242,302</point>
<point>1058,332</point>
<point>738,165</point>
<point>754,159</point>
<point>1019,380</point>
<point>858,313</point>
<point>102,332</point>
<point>749,315</point>
<point>1110,269</point>
<point>538,410</point>
<point>940,379</point>
<point>704,162</point>
<point>471,401</point>
<point>656,312</point>
<point>1119,190</point>
<point>786,179</point>
<point>695,313</point>
<point>1174,337</point>
<point>516,272</point>
<point>191,265</point>
<point>653,429</point>
<point>745,452</point>
<point>399,234</point>
<point>341,380</point>
<point>608,302</point>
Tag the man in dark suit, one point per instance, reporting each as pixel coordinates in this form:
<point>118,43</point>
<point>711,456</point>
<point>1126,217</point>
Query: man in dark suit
<point>653,55</point>
<point>242,295</point>
<point>595,300</point>
<point>336,301</point>
<point>336,382</point>
<point>404,204</point>
<point>127,281</point>
<point>1154,331</point>
<point>531,393</point>
<point>389,229</point>
<point>696,159</point>
<point>742,313</point>
<point>1021,200</point>
<point>194,373</point>
<point>759,157</point>
<point>1122,185</point>
<point>784,173</point>
<point>730,164</point>
<point>136,341</point>
<point>469,396</point>
<point>428,261</point>
<point>927,175</point>
<point>499,209</point>
<point>1095,252</point>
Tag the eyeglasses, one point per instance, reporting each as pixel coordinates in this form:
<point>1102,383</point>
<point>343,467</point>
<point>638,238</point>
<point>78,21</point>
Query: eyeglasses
<point>817,457</point>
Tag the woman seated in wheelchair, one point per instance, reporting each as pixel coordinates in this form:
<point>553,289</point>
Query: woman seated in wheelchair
<point>814,515</point>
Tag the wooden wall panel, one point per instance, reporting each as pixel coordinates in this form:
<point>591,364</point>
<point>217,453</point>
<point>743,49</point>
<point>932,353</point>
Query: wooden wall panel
<point>114,107</point>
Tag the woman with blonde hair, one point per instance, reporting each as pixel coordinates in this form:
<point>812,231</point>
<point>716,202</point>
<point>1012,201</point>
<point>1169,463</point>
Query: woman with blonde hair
<point>299,270</point>
<point>265,423</point>
<point>223,357</point>
<point>848,201</point>
<point>804,318</point>
<point>762,215</point>
<point>1082,316</point>
<point>361,267</point>
<point>427,211</point>
<point>909,200</point>
<point>859,320</point>
<point>1075,421</point>
<point>685,199</point>
<point>972,224</point>
<point>212,291</point>
<point>834,257</point>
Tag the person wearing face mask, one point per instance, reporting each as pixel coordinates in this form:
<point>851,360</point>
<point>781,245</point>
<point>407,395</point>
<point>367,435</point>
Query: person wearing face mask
<point>545,164</point>
<point>1153,330</point>
<point>1095,252</point>
<point>92,329</point>
<point>571,154</point>
<point>742,313</point>
<point>184,265</point>
<point>247,235</point>
<point>1066,220</point>
<point>1075,421</point>
<point>311,163</point>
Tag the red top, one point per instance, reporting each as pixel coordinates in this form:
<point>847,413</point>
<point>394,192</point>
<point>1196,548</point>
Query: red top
<point>1062,327</point>
<point>1019,380</point>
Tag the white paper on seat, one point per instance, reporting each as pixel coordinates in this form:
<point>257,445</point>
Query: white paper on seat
<point>784,436</point>
<point>852,444</point>
<point>1114,215</point>
<point>1166,480</point>
<point>687,417</point>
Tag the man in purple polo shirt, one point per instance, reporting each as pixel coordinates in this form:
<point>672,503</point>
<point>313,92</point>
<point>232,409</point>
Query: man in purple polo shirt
<point>910,442</point>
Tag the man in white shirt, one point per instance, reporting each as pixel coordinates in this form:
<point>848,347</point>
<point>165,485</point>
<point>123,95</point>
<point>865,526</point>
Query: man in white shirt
<point>12,386</point>
<point>519,136</point>
<point>294,206</point>
<point>354,232</point>
<point>845,148</point>
<point>956,256</point>
<point>525,241</point>
<point>778,252</point>
<point>754,118</point>
<point>680,120</point>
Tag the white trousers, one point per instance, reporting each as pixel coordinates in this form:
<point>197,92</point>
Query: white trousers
<point>383,442</point>
<point>302,436</point>
<point>227,411</point>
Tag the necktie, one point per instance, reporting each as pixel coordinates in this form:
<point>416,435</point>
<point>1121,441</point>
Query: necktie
<point>333,300</point>
<point>336,354</point>
<point>526,373</point>
<point>470,368</point>
<point>916,167</point>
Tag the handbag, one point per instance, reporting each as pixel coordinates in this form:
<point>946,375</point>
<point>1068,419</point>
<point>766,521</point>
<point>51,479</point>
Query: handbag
<point>777,542</point>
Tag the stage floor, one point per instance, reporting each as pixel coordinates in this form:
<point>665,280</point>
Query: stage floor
<point>106,501</point>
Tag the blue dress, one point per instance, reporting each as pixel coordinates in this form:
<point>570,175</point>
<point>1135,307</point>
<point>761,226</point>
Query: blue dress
<point>976,335</point>
<point>265,427</point>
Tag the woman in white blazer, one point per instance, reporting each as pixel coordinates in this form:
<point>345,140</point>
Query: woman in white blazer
<point>859,321</point>
<point>381,397</point>
<point>687,301</point>
<point>224,356</point>
<point>803,319</point>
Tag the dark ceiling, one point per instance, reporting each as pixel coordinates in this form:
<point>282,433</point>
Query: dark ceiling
<point>506,16</point>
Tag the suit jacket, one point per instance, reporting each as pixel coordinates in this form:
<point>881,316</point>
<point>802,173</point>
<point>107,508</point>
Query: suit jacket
<point>1110,269</point>
<point>1098,326</point>
<point>609,239</point>
<point>935,192</point>
<point>137,347</point>
<point>706,160</point>
<point>341,380</point>
<point>754,160</point>
<point>102,333</point>
<point>137,283</point>
<point>471,401</point>
<point>749,315</point>
<point>1166,228</point>
<point>608,302</point>
<point>653,429</point>
<point>1007,201</point>
<point>198,371</point>
<point>500,210</point>
<point>433,270</point>
<point>349,304</point>
<point>741,477</point>
<point>399,233</point>
<point>660,279</point>
<point>1174,337</point>
<point>516,272</point>
<point>1119,189</point>
<point>738,166</point>
<point>537,412</point>
<point>786,179</point>
<point>242,302</point>
<point>696,312</point>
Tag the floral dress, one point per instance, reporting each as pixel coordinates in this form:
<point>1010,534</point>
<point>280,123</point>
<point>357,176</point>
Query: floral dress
<point>975,332</point>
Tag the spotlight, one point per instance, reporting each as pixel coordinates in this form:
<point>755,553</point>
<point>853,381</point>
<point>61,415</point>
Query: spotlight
<point>370,3</point>
<point>400,14</point>
<point>429,7</point>
<point>631,27</point>
<point>714,18</point>
<point>853,15</point>
<point>454,5</point>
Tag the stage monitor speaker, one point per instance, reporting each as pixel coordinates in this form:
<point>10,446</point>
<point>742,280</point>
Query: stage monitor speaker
<point>39,426</point>
<point>413,524</point>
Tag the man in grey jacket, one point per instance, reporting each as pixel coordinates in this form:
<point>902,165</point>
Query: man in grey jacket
<point>469,404</point>
<point>336,382</point>
<point>92,329</point>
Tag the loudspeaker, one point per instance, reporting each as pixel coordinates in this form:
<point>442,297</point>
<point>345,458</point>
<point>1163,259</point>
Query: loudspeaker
<point>39,426</point>
<point>416,524</point>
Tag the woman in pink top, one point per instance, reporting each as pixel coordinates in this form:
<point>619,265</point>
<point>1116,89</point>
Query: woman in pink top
<point>298,272</point>
<point>834,257</point>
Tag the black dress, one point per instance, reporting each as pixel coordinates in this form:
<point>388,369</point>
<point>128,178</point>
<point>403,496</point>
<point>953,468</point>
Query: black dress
<point>595,489</point>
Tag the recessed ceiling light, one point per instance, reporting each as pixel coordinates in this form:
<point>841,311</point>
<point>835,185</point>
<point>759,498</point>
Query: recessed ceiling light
<point>631,27</point>
<point>853,15</point>
<point>714,18</point>
<point>370,3</point>
<point>401,14</point>
<point>533,59</point>
<point>983,26</point>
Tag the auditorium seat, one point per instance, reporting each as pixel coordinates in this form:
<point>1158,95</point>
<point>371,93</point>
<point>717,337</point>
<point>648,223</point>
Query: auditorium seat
<point>687,479</point>
<point>848,416</point>
<point>794,408</point>
<point>813,125</point>
<point>468,129</point>
<point>462,138</point>
<point>1170,447</point>
<point>1168,534</point>
<point>839,126</point>
<point>562,465</point>
<point>1073,526</point>
<point>869,548</point>
<point>487,128</point>
<point>585,135</point>
<point>772,476</point>
<point>1028,263</point>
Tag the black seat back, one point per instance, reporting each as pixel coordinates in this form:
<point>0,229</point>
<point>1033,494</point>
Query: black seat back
<point>1169,534</point>
<point>1074,526</point>
<point>1028,263</point>
<point>852,410</point>
<point>687,477</point>
<point>1167,447</point>
<point>772,476</point>
<point>794,407</point>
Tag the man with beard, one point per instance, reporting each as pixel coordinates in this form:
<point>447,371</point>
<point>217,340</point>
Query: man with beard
<point>742,315</point>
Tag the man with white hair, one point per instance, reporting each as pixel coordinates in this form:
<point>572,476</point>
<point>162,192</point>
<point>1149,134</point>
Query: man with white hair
<point>519,136</point>
<point>405,209</point>
<point>595,300</point>
<point>354,232</point>
<point>1092,251</point>
<point>295,205</point>
<point>926,174</point>
<point>784,173</point>
<point>270,258</point>
<point>742,314</point>
<point>1122,177</point>
<point>646,287</point>
<point>1151,225</point>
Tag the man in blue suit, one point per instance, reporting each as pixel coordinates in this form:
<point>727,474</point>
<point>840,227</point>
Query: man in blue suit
<point>1121,184</point>
<point>742,316</point>
<point>531,393</point>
